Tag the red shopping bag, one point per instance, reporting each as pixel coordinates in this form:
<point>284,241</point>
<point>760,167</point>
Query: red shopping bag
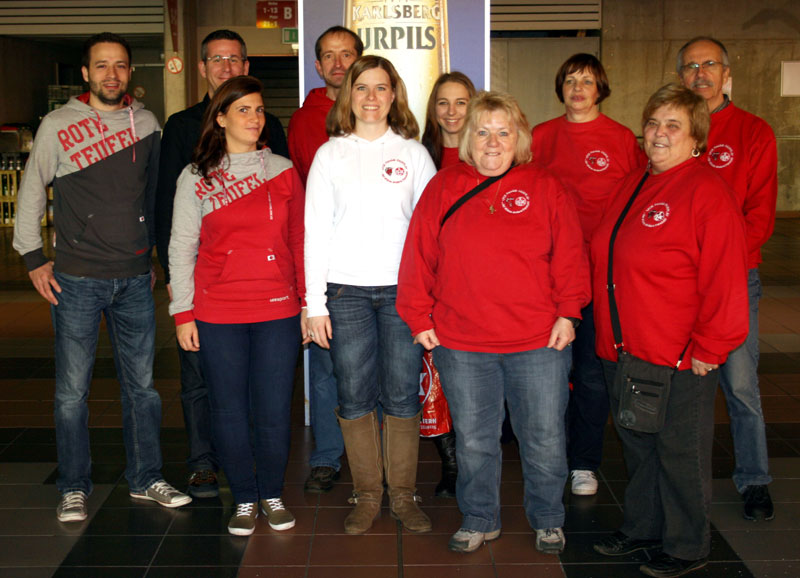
<point>435,419</point>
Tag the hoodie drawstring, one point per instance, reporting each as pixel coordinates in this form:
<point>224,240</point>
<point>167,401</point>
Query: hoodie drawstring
<point>133,132</point>
<point>264,168</point>
<point>103,132</point>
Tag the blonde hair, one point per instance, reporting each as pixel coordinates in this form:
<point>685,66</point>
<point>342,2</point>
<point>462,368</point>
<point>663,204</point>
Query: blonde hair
<point>341,120</point>
<point>491,101</point>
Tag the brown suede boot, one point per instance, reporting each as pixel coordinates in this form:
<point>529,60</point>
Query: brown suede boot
<point>400,454</point>
<point>362,441</point>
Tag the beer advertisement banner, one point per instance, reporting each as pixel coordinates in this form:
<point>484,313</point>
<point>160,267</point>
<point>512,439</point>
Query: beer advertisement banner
<point>422,38</point>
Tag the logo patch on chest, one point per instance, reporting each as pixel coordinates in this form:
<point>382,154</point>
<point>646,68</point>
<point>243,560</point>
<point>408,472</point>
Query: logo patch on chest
<point>597,161</point>
<point>720,156</point>
<point>655,215</point>
<point>394,171</point>
<point>515,201</point>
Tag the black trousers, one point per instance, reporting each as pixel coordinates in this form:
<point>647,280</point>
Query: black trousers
<point>669,490</point>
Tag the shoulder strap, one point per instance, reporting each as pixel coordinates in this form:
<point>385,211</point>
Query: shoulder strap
<point>471,193</point>
<point>612,302</point>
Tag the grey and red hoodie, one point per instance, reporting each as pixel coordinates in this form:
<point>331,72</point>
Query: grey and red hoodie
<point>103,166</point>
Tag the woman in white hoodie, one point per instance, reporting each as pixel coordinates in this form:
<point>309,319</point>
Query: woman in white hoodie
<point>362,189</point>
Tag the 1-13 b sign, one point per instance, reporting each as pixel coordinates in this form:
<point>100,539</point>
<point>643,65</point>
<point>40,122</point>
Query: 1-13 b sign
<point>276,14</point>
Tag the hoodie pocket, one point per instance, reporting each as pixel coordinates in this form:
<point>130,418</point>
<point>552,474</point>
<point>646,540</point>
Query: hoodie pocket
<point>249,274</point>
<point>121,236</point>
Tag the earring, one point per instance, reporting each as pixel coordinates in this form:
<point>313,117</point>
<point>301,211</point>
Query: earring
<point>695,152</point>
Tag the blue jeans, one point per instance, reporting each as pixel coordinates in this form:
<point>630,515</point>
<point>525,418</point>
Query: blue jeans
<point>535,385</point>
<point>587,413</point>
<point>374,356</point>
<point>127,304</point>
<point>668,496</point>
<point>196,412</point>
<point>739,382</point>
<point>328,442</point>
<point>250,368</point>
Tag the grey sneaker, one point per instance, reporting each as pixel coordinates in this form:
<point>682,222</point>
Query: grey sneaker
<point>243,521</point>
<point>465,541</point>
<point>164,494</point>
<point>550,540</point>
<point>583,482</point>
<point>279,517</point>
<point>72,507</point>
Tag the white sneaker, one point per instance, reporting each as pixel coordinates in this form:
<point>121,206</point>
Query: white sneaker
<point>550,540</point>
<point>72,507</point>
<point>162,493</point>
<point>583,482</point>
<point>470,540</point>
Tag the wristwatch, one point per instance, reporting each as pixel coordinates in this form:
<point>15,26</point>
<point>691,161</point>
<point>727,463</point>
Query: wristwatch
<point>575,321</point>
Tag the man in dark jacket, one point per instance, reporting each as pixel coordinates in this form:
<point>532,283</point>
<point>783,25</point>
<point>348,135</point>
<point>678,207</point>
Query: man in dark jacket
<point>223,55</point>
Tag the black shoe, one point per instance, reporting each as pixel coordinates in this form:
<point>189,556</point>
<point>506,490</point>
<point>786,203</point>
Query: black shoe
<point>757,501</point>
<point>321,479</point>
<point>665,566</point>
<point>618,544</point>
<point>446,446</point>
<point>203,484</point>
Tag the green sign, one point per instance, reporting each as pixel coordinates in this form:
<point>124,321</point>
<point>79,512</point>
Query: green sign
<point>289,36</point>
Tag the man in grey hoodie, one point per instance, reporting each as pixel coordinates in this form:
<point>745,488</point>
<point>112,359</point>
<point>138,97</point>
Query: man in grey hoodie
<point>100,152</point>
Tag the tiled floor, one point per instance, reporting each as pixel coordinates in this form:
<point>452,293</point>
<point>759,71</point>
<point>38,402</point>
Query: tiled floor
<point>122,538</point>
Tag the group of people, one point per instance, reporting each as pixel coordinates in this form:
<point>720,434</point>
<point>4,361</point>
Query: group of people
<point>517,257</point>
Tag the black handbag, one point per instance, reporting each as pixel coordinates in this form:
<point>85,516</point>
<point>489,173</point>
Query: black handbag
<point>641,387</point>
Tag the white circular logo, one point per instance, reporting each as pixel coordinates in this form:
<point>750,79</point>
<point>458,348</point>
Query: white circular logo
<point>655,215</point>
<point>394,171</point>
<point>597,160</point>
<point>515,201</point>
<point>720,156</point>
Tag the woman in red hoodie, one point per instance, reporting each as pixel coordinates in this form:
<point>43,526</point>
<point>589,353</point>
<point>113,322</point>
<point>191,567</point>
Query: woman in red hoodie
<point>680,286</point>
<point>236,258</point>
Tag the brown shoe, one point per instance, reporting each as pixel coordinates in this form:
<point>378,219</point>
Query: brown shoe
<point>321,480</point>
<point>363,446</point>
<point>400,456</point>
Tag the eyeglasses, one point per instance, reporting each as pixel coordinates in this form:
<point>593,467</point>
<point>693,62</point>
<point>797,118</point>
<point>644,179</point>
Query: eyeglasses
<point>233,60</point>
<point>693,67</point>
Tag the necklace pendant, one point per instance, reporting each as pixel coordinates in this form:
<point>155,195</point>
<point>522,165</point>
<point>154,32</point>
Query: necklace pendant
<point>491,209</point>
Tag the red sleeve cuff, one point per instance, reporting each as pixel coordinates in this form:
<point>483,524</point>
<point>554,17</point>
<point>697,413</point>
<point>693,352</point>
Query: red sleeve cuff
<point>184,317</point>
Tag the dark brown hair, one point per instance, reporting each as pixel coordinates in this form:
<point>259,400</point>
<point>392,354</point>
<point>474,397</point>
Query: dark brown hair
<point>212,147</point>
<point>432,137</point>
<point>577,63</point>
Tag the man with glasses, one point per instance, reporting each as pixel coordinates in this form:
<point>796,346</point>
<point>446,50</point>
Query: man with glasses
<point>741,147</point>
<point>336,49</point>
<point>223,55</point>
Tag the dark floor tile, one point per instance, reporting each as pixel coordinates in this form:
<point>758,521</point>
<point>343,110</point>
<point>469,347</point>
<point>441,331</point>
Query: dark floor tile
<point>101,572</point>
<point>786,430</point>
<point>279,549</point>
<point>778,362</point>
<point>201,551</point>
<point>113,551</point>
<point>38,435</point>
<point>194,521</point>
<point>26,367</point>
<point>607,570</point>
<point>30,453</point>
<point>131,521</point>
<point>10,434</point>
<point>592,518</point>
<point>775,568</point>
<point>196,572</point>
<point>512,548</point>
<point>20,572</point>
